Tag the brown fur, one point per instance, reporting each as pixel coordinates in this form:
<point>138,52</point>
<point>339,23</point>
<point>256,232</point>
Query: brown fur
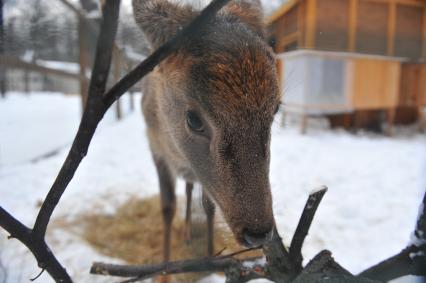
<point>226,75</point>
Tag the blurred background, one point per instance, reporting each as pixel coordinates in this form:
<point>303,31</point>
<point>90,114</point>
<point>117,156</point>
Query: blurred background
<point>353,79</point>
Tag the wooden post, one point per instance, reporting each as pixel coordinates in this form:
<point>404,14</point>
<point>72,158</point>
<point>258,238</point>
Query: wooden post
<point>300,24</point>
<point>84,83</point>
<point>132,100</point>
<point>353,14</point>
<point>390,113</point>
<point>391,29</point>
<point>283,119</point>
<point>424,34</point>
<point>304,124</point>
<point>117,69</point>
<point>26,81</point>
<point>310,23</point>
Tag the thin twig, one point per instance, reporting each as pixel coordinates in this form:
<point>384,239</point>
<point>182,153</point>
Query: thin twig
<point>304,225</point>
<point>239,252</point>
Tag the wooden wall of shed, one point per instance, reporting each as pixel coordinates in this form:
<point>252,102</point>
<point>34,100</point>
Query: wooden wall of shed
<point>373,84</point>
<point>331,32</point>
<point>408,31</point>
<point>383,27</point>
<point>413,85</point>
<point>286,29</point>
<point>371,28</point>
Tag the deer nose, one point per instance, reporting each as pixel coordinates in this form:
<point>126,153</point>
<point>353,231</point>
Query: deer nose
<point>256,239</point>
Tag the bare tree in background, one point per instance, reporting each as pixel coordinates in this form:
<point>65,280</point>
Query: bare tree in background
<point>2,73</point>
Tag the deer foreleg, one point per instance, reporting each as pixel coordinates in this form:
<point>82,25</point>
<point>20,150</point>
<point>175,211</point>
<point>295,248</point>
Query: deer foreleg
<point>188,233</point>
<point>168,203</point>
<point>209,208</point>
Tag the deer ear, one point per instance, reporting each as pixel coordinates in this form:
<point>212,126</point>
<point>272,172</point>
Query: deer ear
<point>160,20</point>
<point>248,12</point>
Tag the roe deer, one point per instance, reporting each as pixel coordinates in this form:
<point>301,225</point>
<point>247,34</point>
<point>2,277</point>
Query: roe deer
<point>209,110</point>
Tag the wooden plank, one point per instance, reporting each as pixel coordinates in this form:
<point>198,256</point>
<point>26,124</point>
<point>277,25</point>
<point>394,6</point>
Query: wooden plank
<point>422,87</point>
<point>410,87</point>
<point>331,30</point>
<point>372,27</point>
<point>408,32</point>
<point>375,84</point>
<point>424,34</point>
<point>310,23</point>
<point>14,62</point>
<point>353,14</point>
<point>391,29</point>
<point>300,24</point>
<point>281,11</point>
<point>289,39</point>
<point>419,3</point>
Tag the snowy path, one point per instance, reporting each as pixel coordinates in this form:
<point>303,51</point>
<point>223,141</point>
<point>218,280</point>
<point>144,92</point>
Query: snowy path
<point>375,184</point>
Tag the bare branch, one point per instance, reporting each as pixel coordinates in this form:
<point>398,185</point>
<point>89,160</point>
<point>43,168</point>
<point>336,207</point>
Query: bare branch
<point>40,250</point>
<point>304,225</point>
<point>91,117</point>
<point>410,261</point>
<point>147,271</point>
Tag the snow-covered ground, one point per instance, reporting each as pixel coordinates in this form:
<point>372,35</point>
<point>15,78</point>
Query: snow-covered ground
<point>375,183</point>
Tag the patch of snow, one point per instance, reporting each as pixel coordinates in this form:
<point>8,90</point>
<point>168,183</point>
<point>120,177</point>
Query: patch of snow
<point>70,67</point>
<point>257,262</point>
<point>417,254</point>
<point>28,56</point>
<point>374,182</point>
<point>94,14</point>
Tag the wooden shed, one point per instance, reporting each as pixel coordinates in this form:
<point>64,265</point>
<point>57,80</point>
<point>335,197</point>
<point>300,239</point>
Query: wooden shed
<point>352,60</point>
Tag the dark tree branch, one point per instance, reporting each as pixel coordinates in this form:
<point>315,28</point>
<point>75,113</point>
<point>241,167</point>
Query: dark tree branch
<point>92,115</point>
<point>44,256</point>
<point>35,239</point>
<point>284,266</point>
<point>304,225</point>
<point>410,261</point>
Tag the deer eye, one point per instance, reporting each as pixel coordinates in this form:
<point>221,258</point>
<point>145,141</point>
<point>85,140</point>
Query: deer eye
<point>194,122</point>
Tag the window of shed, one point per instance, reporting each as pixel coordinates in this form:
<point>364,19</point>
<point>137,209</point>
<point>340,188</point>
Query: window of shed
<point>332,25</point>
<point>372,27</point>
<point>408,33</point>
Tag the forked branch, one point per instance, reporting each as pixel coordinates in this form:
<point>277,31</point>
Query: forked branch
<point>279,264</point>
<point>283,266</point>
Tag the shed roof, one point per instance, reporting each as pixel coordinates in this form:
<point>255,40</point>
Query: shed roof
<point>282,10</point>
<point>291,3</point>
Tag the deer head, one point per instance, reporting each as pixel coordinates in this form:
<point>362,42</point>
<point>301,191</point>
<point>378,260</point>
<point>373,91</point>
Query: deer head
<point>217,101</point>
